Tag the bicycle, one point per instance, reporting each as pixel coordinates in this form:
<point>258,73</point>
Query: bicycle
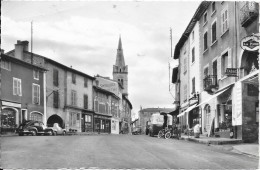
<point>162,132</point>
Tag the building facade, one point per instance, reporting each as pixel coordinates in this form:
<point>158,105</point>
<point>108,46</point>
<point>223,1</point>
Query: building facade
<point>22,95</point>
<point>228,103</point>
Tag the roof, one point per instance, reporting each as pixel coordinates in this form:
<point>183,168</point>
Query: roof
<point>166,110</point>
<point>105,91</point>
<point>55,62</point>
<point>107,78</point>
<point>200,10</point>
<point>128,101</point>
<point>16,60</point>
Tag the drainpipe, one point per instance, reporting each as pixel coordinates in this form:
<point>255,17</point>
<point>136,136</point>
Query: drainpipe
<point>44,98</point>
<point>236,57</point>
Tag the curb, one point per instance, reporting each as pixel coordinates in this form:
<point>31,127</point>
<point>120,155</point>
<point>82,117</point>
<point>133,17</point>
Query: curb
<point>208,142</point>
<point>244,153</point>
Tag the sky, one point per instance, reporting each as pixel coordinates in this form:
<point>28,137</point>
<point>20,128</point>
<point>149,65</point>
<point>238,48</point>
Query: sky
<point>85,35</point>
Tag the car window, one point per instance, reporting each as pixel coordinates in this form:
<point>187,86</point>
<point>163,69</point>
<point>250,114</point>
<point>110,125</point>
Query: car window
<point>36,124</point>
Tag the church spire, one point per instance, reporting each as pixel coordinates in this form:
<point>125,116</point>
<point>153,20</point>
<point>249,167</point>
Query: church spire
<point>120,61</point>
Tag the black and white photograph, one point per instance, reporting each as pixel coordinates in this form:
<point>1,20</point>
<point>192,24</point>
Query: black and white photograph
<point>134,84</point>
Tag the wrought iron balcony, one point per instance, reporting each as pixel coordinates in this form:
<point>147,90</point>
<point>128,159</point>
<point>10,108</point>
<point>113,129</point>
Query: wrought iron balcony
<point>248,13</point>
<point>210,82</point>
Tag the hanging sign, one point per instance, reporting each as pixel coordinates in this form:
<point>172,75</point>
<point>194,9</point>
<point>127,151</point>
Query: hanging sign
<point>250,43</point>
<point>231,72</point>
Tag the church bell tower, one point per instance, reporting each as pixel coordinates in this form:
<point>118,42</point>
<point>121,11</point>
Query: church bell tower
<point>120,70</point>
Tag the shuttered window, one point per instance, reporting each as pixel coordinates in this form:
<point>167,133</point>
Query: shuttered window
<point>56,99</point>
<point>224,20</point>
<point>17,87</point>
<point>73,78</point>
<point>213,32</point>
<point>73,98</point>
<point>85,101</point>
<point>55,77</point>
<point>193,54</point>
<point>36,94</point>
<point>205,37</point>
<point>193,85</point>
<point>85,82</point>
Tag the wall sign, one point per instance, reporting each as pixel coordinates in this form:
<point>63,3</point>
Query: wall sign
<point>231,72</point>
<point>250,43</point>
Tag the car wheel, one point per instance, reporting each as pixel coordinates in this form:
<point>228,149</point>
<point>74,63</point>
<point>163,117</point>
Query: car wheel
<point>64,133</point>
<point>168,135</point>
<point>34,133</point>
<point>54,133</point>
<point>20,134</point>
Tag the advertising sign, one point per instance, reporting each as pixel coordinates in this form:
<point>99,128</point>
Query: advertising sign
<point>231,72</point>
<point>108,85</point>
<point>250,43</point>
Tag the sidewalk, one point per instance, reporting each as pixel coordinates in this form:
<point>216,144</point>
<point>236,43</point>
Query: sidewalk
<point>239,147</point>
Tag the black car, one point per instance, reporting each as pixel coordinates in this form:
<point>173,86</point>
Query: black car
<point>32,127</point>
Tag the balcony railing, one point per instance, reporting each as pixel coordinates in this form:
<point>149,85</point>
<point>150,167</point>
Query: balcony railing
<point>248,13</point>
<point>210,82</point>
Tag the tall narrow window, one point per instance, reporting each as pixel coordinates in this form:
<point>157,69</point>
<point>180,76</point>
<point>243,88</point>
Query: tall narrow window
<point>17,87</point>
<point>224,21</point>
<point>185,65</point>
<point>85,82</point>
<point>192,36</point>
<point>205,18</point>
<point>213,7</point>
<point>185,93</point>
<point>213,32</point>
<point>193,85</point>
<point>85,101</point>
<point>205,37</point>
<point>55,99</point>
<point>224,63</point>
<point>73,98</point>
<point>206,72</point>
<point>215,68</point>
<point>193,54</point>
<point>73,78</point>
<point>36,94</point>
<point>55,77</point>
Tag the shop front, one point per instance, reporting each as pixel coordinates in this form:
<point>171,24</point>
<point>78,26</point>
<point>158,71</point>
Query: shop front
<point>102,124</point>
<point>87,122</point>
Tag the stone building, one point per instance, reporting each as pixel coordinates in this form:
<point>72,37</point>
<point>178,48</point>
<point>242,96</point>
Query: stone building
<point>228,104</point>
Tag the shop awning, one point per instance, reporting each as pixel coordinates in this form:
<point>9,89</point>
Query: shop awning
<point>187,110</point>
<point>213,96</point>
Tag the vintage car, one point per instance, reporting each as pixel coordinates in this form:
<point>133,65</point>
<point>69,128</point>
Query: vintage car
<point>59,130</point>
<point>32,127</point>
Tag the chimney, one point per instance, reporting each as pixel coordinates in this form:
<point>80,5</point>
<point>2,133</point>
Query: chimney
<point>20,47</point>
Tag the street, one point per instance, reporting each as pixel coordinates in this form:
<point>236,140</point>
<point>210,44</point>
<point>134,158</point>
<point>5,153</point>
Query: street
<point>116,151</point>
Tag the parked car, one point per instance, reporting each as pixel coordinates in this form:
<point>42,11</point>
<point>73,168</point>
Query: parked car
<point>156,123</point>
<point>60,131</point>
<point>136,131</point>
<point>32,127</point>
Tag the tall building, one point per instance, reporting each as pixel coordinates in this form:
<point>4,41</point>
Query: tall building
<point>120,70</point>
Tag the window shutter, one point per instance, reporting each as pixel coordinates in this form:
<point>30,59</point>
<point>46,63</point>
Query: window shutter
<point>14,86</point>
<point>229,58</point>
<point>219,68</point>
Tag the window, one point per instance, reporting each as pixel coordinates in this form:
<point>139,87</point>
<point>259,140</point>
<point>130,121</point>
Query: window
<point>17,87</point>
<point>193,54</point>
<point>73,98</point>
<point>213,7</point>
<point>55,77</point>
<point>36,94</point>
<point>206,72</point>
<point>88,118</point>
<point>185,65</point>
<point>224,63</point>
<point>36,74</point>
<point>6,65</point>
<point>215,68</point>
<point>85,101</point>
<point>85,82</point>
<point>192,36</point>
<point>73,118</point>
<point>55,99</point>
<point>73,78</point>
<point>205,37</point>
<point>214,32</point>
<point>122,82</point>
<point>185,93</point>
<point>193,85</point>
<point>37,117</point>
<point>205,19</point>
<point>224,21</point>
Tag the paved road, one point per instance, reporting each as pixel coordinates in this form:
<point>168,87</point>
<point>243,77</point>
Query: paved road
<point>116,151</point>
